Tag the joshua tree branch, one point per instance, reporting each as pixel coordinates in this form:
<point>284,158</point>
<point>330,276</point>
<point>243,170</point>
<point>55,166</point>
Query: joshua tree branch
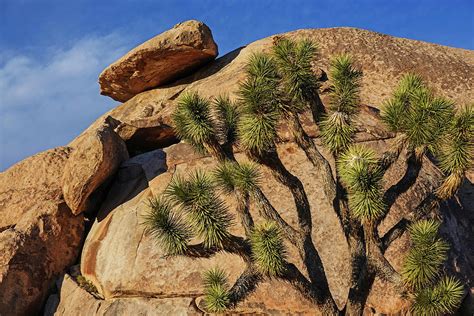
<point>234,244</point>
<point>308,290</point>
<point>245,285</point>
<point>377,261</point>
<point>317,107</point>
<point>391,156</point>
<point>314,156</point>
<point>413,168</point>
<point>267,211</point>
<point>394,233</point>
<point>272,161</point>
<point>243,206</point>
<point>225,153</point>
<point>306,247</point>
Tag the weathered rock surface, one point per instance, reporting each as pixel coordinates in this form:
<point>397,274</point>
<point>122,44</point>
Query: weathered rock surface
<point>120,218</point>
<point>96,157</point>
<point>125,264</point>
<point>39,235</point>
<point>146,122</point>
<point>159,60</point>
<point>135,266</point>
<point>73,300</point>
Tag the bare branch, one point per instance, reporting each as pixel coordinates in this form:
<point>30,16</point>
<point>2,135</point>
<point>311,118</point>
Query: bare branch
<point>235,244</point>
<point>413,168</point>
<point>394,233</point>
<point>245,285</point>
<point>243,206</point>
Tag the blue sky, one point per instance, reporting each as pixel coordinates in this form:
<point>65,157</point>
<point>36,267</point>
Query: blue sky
<point>51,51</point>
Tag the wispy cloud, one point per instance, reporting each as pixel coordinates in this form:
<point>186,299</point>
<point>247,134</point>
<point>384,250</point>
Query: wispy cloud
<point>46,102</point>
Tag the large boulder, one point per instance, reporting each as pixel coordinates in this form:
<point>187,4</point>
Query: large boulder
<point>39,235</point>
<point>121,218</point>
<point>96,156</point>
<point>159,60</point>
<point>123,261</point>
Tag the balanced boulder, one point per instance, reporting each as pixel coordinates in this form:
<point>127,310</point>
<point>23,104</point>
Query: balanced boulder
<point>160,60</point>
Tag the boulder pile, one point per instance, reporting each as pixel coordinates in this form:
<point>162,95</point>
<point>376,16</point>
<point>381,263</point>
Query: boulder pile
<point>75,213</point>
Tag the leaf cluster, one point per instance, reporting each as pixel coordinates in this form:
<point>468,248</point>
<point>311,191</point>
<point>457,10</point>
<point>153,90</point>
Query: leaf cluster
<point>426,256</point>
<point>168,227</point>
<point>457,151</point>
<point>294,64</point>
<point>208,215</point>
<point>199,121</point>
<point>359,172</point>
<point>268,250</point>
<point>261,105</point>
<point>216,290</point>
<point>432,295</point>
<point>415,111</point>
<point>225,119</point>
<point>441,299</point>
<point>230,176</point>
<point>336,128</point>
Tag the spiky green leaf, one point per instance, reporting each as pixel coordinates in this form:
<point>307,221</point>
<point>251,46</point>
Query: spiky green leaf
<point>345,85</point>
<point>261,105</point>
<point>230,176</point>
<point>444,298</point>
<point>227,116</point>
<point>167,227</point>
<point>415,111</point>
<point>359,172</point>
<point>293,59</point>
<point>193,120</point>
<point>207,213</point>
<point>216,290</point>
<point>427,254</point>
<point>337,131</point>
<point>268,250</point>
<point>457,151</point>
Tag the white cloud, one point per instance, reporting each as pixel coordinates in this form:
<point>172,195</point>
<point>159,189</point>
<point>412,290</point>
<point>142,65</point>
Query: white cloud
<point>45,103</point>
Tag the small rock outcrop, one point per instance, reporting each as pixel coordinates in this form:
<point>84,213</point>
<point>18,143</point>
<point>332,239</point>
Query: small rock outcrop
<point>39,235</point>
<point>160,60</point>
<point>95,158</point>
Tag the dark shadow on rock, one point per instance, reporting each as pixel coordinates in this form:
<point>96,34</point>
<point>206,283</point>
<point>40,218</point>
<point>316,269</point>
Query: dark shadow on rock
<point>151,138</point>
<point>458,230</point>
<point>132,178</point>
<point>207,69</point>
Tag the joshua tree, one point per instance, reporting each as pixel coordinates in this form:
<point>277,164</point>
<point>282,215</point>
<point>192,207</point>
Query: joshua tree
<point>279,87</point>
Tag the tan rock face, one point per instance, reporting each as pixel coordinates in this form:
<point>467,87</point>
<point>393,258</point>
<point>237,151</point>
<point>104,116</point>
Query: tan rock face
<point>39,235</point>
<point>160,60</point>
<point>121,217</point>
<point>146,119</point>
<point>29,182</point>
<point>95,158</point>
<point>135,266</point>
<point>73,300</point>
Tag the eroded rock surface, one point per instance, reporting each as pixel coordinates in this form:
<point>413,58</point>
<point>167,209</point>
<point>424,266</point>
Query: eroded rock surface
<point>159,60</point>
<point>125,264</point>
<point>96,157</point>
<point>39,235</point>
<point>146,118</point>
<point>73,300</point>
